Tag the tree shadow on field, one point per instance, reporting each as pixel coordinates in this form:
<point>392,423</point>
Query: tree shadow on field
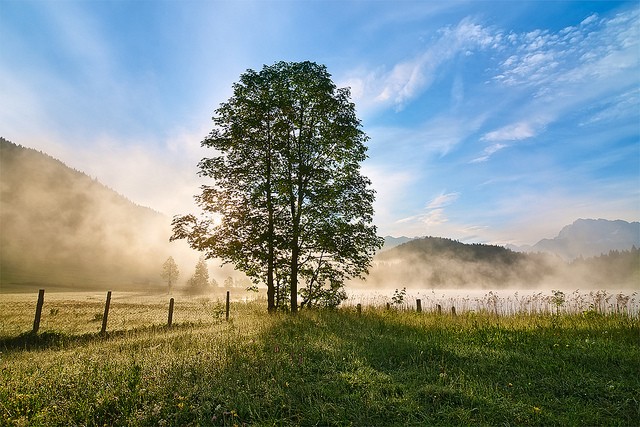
<point>390,368</point>
<point>52,340</point>
<point>367,369</point>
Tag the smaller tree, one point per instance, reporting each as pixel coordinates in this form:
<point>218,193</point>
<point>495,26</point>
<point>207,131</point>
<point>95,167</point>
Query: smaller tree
<point>170,272</point>
<point>229,283</point>
<point>200,279</point>
<point>558,299</point>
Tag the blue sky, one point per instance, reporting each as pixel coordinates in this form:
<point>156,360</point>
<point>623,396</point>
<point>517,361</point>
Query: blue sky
<point>496,122</point>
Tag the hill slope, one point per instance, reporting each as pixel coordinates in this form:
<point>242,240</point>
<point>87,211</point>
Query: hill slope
<point>445,263</point>
<point>59,226</point>
<point>434,262</point>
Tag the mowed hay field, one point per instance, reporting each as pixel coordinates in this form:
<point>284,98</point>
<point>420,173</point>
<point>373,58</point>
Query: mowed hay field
<point>374,368</point>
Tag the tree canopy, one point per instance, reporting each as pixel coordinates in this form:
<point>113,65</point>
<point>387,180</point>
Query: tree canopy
<point>288,205</point>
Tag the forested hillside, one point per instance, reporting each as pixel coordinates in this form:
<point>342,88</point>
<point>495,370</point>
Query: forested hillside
<point>61,227</point>
<point>434,262</point>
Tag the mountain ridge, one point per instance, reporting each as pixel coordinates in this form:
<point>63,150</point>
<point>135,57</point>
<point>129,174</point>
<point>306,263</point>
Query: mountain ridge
<point>588,238</point>
<point>392,242</point>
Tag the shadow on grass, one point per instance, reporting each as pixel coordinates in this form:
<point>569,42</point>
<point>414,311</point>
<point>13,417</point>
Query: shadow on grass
<point>339,368</point>
<point>52,340</point>
<point>381,369</point>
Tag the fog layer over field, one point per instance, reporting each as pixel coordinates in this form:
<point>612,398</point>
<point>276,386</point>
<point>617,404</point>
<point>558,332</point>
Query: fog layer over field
<point>61,227</point>
<point>436,263</point>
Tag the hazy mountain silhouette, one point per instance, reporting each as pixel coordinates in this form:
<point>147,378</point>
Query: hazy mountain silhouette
<point>435,262</point>
<point>445,263</point>
<point>61,227</point>
<point>588,238</point>
<point>392,242</point>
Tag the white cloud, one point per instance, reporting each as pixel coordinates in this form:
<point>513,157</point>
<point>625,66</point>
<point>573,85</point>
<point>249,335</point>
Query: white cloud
<point>442,200</point>
<point>594,51</point>
<point>623,106</point>
<point>488,152</point>
<point>379,88</point>
<point>514,132</point>
<point>590,19</point>
<point>431,217</point>
<point>434,217</point>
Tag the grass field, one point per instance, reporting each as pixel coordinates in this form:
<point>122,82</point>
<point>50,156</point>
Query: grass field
<point>380,368</point>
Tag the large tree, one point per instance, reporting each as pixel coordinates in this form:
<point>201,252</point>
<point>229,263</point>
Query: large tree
<point>288,204</point>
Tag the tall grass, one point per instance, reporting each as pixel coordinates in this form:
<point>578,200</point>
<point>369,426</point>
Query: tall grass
<point>382,367</point>
<point>508,302</point>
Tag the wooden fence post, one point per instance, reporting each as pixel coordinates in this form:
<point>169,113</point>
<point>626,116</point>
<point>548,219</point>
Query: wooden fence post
<point>106,313</point>
<point>359,308</point>
<point>170,313</point>
<point>36,320</point>
<point>227,308</point>
<point>439,309</point>
<point>419,306</point>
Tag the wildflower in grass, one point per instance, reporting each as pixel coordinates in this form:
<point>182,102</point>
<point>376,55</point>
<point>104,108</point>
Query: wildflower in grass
<point>156,409</point>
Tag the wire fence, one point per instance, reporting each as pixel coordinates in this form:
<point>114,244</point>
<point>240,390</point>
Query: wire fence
<point>84,313</point>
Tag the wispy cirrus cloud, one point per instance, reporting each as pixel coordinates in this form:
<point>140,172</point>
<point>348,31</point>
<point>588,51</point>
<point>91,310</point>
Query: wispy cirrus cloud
<point>433,213</point>
<point>379,88</point>
<point>488,152</point>
<point>442,200</point>
<point>514,132</point>
<point>501,138</point>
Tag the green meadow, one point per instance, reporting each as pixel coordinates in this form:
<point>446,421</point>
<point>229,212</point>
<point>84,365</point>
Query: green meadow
<point>318,368</point>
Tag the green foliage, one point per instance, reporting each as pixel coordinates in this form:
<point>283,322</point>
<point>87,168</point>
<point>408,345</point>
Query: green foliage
<point>288,202</point>
<point>331,367</point>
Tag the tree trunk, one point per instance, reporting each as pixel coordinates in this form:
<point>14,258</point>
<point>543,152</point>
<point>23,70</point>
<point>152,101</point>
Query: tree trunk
<point>271,303</point>
<point>295,251</point>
